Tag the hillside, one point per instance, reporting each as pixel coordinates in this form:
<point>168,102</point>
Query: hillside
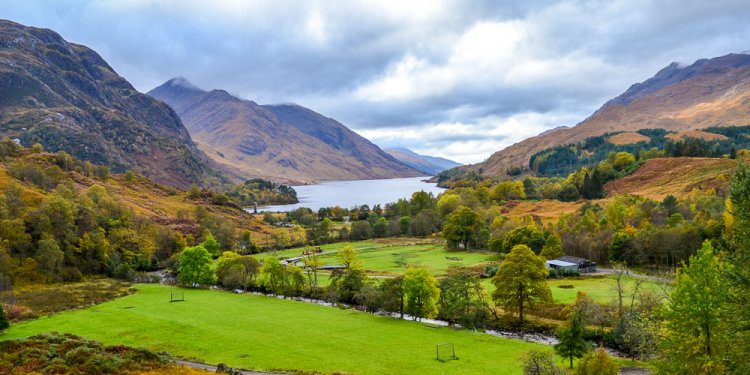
<point>66,97</point>
<point>427,164</point>
<point>285,143</point>
<point>657,178</point>
<point>161,204</point>
<point>710,92</point>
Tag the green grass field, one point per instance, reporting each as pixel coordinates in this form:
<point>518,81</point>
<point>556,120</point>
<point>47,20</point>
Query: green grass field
<point>267,333</point>
<point>395,258</point>
<point>600,288</point>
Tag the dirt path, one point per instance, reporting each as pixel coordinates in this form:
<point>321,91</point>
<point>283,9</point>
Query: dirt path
<point>201,366</point>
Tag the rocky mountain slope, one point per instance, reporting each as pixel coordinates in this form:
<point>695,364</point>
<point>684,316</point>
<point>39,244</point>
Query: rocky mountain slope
<point>284,143</point>
<point>66,97</point>
<point>710,92</point>
<point>427,164</point>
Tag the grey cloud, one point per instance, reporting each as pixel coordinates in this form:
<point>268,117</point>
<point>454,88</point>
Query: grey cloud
<point>263,51</point>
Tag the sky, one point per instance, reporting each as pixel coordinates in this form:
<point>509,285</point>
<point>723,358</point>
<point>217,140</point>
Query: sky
<point>457,79</point>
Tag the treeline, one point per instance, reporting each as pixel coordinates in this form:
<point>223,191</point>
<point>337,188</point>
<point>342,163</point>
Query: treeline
<point>457,298</point>
<point>562,160</point>
<point>416,216</point>
<point>262,192</point>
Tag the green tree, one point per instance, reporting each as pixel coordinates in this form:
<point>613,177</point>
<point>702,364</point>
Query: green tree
<point>273,276</point>
<point>461,227</point>
<point>697,336</point>
<point>552,247</point>
<point>527,235</point>
<point>521,281</point>
<point>538,362</point>
<point>422,293</point>
<point>596,362</point>
<point>348,281</point>
<point>463,299</point>
<point>572,343</point>
<point>50,257</point>
<point>4,324</point>
<point>392,295</point>
<point>737,223</point>
<point>211,245</point>
<point>404,223</point>
<point>195,266</point>
<point>14,232</point>
<point>361,230</point>
<point>380,229</point>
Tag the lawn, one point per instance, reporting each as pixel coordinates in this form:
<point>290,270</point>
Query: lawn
<point>394,258</point>
<point>267,333</point>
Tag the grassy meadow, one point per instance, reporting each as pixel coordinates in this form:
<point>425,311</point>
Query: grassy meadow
<point>394,257</point>
<point>266,333</point>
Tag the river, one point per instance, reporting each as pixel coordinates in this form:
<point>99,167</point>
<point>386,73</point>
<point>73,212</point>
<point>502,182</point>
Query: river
<point>348,194</point>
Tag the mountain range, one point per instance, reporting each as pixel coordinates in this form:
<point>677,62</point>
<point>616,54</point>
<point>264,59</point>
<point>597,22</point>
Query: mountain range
<point>679,98</point>
<point>287,143</point>
<point>65,97</point>
<point>428,164</point>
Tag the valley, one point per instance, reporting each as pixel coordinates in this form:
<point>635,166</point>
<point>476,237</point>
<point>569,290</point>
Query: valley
<point>358,191</point>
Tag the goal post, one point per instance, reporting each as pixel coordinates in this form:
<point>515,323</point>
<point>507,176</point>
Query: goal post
<point>445,352</point>
<point>176,296</point>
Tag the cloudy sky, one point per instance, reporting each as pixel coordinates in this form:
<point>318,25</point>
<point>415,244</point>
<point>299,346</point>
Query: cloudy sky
<point>459,79</point>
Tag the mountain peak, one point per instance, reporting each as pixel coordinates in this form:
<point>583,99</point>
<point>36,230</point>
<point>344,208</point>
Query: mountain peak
<point>183,83</point>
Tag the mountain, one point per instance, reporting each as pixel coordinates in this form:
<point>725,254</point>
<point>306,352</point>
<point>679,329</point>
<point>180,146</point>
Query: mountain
<point>709,92</point>
<point>427,164</point>
<point>66,97</point>
<point>284,143</point>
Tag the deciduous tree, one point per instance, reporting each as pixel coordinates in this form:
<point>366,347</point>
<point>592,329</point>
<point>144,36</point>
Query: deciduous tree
<point>697,334</point>
<point>422,293</point>
<point>195,266</point>
<point>521,281</point>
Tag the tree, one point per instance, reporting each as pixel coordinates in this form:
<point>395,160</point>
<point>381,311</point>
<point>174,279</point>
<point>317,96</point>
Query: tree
<point>697,336</point>
<point>538,362</point>
<point>273,276</point>
<point>421,293</point>
<point>596,362</point>
<point>361,230</point>
<point>392,295</point>
<point>461,227</point>
<point>380,229</point>
<point>527,235</point>
<point>195,266</point>
<point>572,343</point>
<point>211,245</point>
<point>552,247</point>
<point>4,324</point>
<point>463,299</point>
<point>50,257</point>
<point>738,232</point>
<point>404,223</point>
<point>347,282</point>
<point>14,232</point>
<point>521,281</point>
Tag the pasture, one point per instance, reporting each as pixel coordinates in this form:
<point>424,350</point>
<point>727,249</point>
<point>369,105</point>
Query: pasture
<point>265,333</point>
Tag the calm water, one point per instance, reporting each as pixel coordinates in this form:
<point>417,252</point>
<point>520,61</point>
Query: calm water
<point>348,194</point>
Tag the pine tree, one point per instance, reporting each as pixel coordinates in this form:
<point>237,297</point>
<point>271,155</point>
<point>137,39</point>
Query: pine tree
<point>572,342</point>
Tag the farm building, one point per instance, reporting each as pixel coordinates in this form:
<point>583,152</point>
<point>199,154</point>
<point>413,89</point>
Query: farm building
<point>570,263</point>
<point>556,264</point>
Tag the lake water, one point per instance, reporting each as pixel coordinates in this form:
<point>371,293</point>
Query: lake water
<point>348,194</point>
